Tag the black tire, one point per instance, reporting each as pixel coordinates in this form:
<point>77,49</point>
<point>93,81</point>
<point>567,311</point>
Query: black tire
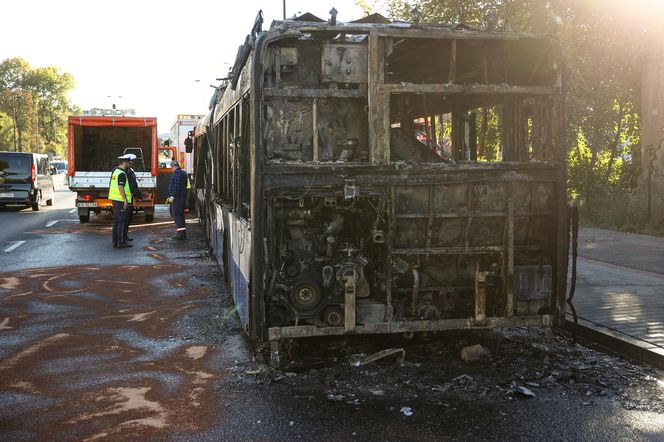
<point>84,218</point>
<point>49,202</point>
<point>35,205</point>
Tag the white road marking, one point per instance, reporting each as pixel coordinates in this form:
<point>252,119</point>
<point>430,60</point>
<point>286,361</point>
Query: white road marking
<point>52,223</point>
<point>16,245</point>
<point>73,211</point>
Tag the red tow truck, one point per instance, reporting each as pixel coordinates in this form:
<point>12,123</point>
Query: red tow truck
<point>94,144</point>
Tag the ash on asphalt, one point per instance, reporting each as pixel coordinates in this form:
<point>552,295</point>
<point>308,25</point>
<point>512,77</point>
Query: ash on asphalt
<point>576,392</point>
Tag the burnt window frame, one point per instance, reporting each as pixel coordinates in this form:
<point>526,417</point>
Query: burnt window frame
<point>381,92</point>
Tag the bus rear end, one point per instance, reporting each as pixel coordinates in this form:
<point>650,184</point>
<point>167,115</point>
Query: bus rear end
<point>386,210</point>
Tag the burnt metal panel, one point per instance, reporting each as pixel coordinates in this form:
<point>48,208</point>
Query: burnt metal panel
<point>486,231</point>
<point>278,333</point>
<point>533,282</point>
<point>450,198</point>
<point>489,196</point>
<point>448,232</point>
<point>344,63</point>
<point>410,233</point>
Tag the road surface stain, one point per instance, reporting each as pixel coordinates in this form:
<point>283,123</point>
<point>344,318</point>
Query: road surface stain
<point>4,325</point>
<point>197,351</point>
<point>100,351</point>
<point>31,350</point>
<point>9,283</point>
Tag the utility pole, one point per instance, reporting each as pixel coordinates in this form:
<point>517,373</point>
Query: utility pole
<point>14,115</point>
<point>649,209</point>
<point>38,141</point>
<point>284,9</point>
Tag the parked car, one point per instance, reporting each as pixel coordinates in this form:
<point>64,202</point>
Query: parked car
<point>25,179</point>
<point>60,166</point>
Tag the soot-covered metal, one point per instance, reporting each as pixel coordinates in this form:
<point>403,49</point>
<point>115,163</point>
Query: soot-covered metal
<point>372,203</point>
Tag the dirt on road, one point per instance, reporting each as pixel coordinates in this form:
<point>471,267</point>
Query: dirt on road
<point>100,351</point>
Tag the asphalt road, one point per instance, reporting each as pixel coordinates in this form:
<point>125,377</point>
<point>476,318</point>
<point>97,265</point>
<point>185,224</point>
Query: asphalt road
<point>99,343</point>
<point>16,221</point>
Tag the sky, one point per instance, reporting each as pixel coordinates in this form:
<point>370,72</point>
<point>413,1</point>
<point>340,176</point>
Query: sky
<point>158,57</point>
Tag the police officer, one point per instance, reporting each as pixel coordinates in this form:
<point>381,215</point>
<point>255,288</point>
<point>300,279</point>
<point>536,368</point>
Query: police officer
<point>120,193</point>
<point>177,197</point>
<point>135,193</point>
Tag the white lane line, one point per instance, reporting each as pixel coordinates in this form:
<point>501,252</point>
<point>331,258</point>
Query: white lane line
<point>16,245</point>
<point>73,211</point>
<point>52,223</point>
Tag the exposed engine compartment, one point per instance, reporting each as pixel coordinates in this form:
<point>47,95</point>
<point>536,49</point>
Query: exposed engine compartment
<point>325,247</point>
<point>325,244</point>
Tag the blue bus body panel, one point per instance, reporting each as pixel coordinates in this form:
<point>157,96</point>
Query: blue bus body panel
<point>238,254</point>
<point>240,293</point>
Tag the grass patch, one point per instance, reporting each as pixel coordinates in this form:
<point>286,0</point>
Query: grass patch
<point>625,212</point>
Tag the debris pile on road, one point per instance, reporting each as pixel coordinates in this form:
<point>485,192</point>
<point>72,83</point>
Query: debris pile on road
<point>475,353</point>
<point>361,360</point>
<point>407,411</point>
<point>504,366</point>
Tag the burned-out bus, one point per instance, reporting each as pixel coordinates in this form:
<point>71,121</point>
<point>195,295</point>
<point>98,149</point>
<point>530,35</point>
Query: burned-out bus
<point>331,214</point>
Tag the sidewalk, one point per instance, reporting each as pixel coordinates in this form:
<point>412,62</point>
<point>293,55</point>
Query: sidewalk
<point>620,284</point>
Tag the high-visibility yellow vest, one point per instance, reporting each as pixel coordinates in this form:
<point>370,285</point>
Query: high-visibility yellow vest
<point>188,182</point>
<point>114,190</point>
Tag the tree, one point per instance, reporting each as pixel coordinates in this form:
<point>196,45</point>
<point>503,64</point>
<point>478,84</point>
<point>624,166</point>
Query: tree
<point>6,131</point>
<point>50,89</point>
<point>604,43</point>
<point>36,102</point>
<point>14,100</point>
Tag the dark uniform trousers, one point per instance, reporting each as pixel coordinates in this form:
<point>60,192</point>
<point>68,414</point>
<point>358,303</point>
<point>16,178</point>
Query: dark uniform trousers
<point>130,218</point>
<point>119,222</point>
<point>177,211</point>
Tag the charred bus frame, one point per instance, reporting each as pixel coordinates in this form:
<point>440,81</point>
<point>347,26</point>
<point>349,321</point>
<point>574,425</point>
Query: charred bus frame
<point>331,218</point>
